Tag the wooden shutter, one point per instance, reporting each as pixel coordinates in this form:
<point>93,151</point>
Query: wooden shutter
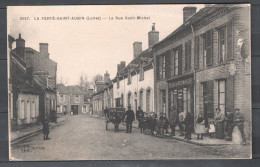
<point>209,44</point>
<point>172,63</point>
<point>230,93</point>
<point>180,60</point>
<point>158,67</point>
<point>168,64</point>
<point>196,52</point>
<point>230,40</point>
<point>210,106</point>
<point>186,56</point>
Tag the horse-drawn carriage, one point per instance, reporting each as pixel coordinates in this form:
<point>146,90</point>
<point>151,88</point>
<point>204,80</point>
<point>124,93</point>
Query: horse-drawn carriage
<point>115,115</point>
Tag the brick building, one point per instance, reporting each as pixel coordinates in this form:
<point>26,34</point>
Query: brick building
<point>205,64</point>
<point>134,84</point>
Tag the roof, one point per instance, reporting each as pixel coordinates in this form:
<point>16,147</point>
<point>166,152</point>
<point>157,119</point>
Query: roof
<point>63,89</point>
<point>74,89</point>
<point>201,14</point>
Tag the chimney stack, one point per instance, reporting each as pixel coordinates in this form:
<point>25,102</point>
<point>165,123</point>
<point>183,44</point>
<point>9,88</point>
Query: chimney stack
<point>188,12</point>
<point>122,63</point>
<point>44,50</point>
<point>106,77</point>
<point>20,47</point>
<point>118,68</point>
<point>137,47</point>
<point>153,36</point>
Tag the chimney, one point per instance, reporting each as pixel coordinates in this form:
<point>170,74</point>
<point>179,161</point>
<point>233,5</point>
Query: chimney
<point>106,77</point>
<point>20,46</point>
<point>137,46</point>
<point>153,36</point>
<point>118,68</point>
<point>188,12</point>
<point>44,50</point>
<point>122,63</point>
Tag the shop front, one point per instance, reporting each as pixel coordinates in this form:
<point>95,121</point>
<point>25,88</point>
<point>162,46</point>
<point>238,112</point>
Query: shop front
<point>181,95</point>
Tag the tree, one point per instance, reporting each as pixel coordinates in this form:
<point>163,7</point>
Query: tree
<point>83,83</point>
<point>63,81</point>
<point>98,77</point>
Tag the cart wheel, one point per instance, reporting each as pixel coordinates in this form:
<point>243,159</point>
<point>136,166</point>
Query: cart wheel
<point>106,125</point>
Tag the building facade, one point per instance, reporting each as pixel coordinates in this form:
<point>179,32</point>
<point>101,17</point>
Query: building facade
<point>205,64</point>
<point>63,99</point>
<point>76,100</point>
<point>134,84</point>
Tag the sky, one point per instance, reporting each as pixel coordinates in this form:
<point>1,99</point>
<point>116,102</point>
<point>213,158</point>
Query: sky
<point>91,46</point>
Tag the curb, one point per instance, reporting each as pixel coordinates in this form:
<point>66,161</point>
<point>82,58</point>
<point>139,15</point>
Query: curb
<point>176,138</point>
<point>33,133</point>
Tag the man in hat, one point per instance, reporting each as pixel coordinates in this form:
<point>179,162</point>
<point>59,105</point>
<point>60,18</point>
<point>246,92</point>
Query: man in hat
<point>130,117</point>
<point>239,122</point>
<point>140,117</point>
<point>45,129</point>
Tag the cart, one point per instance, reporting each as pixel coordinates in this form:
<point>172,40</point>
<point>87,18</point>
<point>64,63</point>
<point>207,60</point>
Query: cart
<point>115,115</point>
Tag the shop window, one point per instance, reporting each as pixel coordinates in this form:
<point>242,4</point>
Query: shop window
<point>208,48</point>
<point>222,95</point>
<point>163,98</point>
<point>207,89</point>
<point>187,100</point>
<point>225,42</point>
<point>188,56</point>
<point>22,110</point>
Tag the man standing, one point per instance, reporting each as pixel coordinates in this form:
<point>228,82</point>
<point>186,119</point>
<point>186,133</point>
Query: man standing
<point>181,122</point>
<point>173,120</point>
<point>130,117</point>
<point>239,122</point>
<point>45,129</point>
<point>140,117</point>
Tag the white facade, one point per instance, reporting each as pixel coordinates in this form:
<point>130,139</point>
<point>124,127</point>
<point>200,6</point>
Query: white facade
<point>137,93</point>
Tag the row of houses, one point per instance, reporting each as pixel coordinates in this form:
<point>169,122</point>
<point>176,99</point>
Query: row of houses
<point>31,83</point>
<point>202,65</point>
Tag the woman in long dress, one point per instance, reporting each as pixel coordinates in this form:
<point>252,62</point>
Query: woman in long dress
<point>219,122</point>
<point>200,126</point>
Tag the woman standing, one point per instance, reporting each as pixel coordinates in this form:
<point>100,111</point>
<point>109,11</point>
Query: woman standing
<point>200,126</point>
<point>219,122</point>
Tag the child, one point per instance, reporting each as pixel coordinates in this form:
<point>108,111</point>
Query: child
<point>45,129</point>
<point>211,129</point>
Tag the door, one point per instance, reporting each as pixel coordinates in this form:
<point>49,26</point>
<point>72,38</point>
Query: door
<point>75,109</point>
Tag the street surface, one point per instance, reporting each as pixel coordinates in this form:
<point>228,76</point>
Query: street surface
<point>83,137</point>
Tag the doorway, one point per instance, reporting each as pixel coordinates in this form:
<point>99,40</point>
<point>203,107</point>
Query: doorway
<point>75,109</point>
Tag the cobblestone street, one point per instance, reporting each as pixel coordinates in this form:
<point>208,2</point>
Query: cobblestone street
<point>84,137</point>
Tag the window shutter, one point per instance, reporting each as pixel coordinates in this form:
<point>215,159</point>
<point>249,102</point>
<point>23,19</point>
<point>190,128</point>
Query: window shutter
<point>230,93</point>
<point>210,107</point>
<point>196,52</point>
<point>158,67</point>
<point>209,43</point>
<point>230,41</point>
<point>180,61</point>
<point>168,64</point>
<point>171,63</point>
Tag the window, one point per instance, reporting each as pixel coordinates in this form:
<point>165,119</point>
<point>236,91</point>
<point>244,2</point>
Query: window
<point>176,62</point>
<point>163,66</point>
<point>225,42</point>
<point>22,110</point>
<point>33,109</point>
<point>208,48</point>
<point>76,98</point>
<point>196,52</point>
<point>148,96</point>
<point>62,98</point>
<point>28,109</point>
<point>222,95</point>
<point>129,99</point>
<point>188,56</point>
<point>141,99</point>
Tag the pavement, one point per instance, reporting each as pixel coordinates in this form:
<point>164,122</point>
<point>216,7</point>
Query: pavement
<point>20,134</point>
<point>82,137</point>
<point>207,141</point>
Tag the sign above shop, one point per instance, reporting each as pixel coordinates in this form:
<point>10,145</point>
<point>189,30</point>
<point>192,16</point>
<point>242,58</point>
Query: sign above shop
<point>180,83</point>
